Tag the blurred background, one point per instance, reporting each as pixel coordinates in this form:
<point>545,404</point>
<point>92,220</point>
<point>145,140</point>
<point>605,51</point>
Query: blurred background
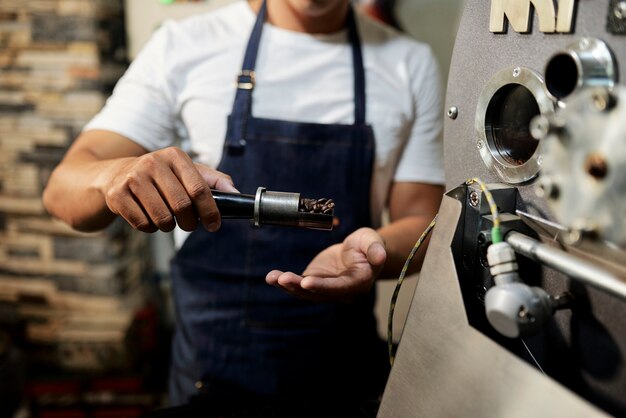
<point>85,319</point>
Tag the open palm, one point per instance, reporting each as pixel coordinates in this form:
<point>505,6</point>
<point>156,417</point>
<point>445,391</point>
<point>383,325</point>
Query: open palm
<point>338,273</point>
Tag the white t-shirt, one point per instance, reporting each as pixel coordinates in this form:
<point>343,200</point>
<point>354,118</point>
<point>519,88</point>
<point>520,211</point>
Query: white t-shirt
<point>181,86</point>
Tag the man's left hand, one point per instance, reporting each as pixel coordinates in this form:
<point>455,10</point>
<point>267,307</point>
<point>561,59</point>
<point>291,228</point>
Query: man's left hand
<point>339,273</point>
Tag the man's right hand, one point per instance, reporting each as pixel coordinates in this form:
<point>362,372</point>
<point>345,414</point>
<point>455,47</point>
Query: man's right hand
<point>105,174</point>
<point>157,190</point>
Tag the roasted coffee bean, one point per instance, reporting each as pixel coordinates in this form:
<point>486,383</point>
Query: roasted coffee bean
<point>328,208</point>
<point>323,205</point>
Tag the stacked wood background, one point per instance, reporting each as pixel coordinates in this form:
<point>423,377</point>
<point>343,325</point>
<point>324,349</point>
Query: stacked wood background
<point>74,292</point>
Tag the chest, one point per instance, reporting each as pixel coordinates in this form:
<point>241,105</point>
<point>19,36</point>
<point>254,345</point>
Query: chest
<point>314,85</point>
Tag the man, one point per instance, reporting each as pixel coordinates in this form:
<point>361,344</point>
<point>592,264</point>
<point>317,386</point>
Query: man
<point>298,122</point>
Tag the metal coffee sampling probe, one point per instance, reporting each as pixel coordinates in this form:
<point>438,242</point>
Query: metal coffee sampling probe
<point>276,208</point>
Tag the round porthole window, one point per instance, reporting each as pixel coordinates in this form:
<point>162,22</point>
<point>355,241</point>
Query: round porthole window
<point>507,104</point>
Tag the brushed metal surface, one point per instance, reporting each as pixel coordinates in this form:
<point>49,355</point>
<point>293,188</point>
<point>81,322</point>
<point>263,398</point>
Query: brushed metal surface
<point>446,368</point>
<point>585,348</point>
<point>479,54</point>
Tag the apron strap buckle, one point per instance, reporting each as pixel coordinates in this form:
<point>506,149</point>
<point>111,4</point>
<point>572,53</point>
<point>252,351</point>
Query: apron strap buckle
<point>246,79</point>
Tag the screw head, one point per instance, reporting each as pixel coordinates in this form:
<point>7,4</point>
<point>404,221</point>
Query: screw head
<point>539,127</point>
<point>600,102</point>
<point>572,237</point>
<point>453,112</point>
<point>525,315</point>
<point>548,189</point>
<point>473,199</point>
<point>580,228</point>
<point>619,11</point>
<point>596,166</point>
<point>603,100</point>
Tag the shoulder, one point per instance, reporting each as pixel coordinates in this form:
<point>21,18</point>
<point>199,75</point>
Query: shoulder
<point>381,37</point>
<point>408,58</point>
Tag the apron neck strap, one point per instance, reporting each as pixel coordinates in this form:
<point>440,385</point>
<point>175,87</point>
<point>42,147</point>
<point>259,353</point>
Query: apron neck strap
<point>249,59</point>
<point>242,106</point>
<point>359,69</point>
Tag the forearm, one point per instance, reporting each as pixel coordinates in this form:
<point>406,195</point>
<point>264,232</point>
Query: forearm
<point>400,237</point>
<point>74,195</point>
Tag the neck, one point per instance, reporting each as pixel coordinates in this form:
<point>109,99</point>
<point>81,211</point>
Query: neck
<point>283,14</point>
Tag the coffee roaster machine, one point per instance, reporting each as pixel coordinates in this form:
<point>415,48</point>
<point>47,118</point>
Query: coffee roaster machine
<point>535,109</point>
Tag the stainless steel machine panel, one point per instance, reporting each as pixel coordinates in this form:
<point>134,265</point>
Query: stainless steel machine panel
<point>534,105</point>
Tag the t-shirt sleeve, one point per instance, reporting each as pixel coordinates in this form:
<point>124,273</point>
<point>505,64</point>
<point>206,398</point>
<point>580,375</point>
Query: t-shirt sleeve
<point>422,158</point>
<point>141,107</point>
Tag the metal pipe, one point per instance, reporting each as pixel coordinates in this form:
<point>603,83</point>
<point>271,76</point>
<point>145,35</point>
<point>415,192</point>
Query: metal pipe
<point>567,264</point>
<point>274,208</point>
<point>234,205</point>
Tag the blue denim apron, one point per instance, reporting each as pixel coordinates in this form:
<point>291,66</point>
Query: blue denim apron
<point>237,336</point>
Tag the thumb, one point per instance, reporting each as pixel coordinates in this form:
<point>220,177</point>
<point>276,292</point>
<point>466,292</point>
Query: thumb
<point>373,246</point>
<point>216,179</point>
<point>376,254</point>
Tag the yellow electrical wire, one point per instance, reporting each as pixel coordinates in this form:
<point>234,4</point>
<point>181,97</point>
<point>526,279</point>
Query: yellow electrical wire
<point>394,297</point>
<point>496,234</point>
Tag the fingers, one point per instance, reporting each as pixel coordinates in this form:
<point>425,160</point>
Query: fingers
<point>167,198</point>
<point>286,280</point>
<point>197,191</point>
<point>186,189</point>
<point>272,277</point>
<point>216,179</point>
<point>132,212</point>
<point>149,198</point>
<point>313,288</point>
<point>339,273</point>
<point>162,188</point>
<point>342,288</point>
<point>290,283</point>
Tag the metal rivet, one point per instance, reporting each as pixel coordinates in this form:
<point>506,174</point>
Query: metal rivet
<point>600,101</point>
<point>525,315</point>
<point>580,227</point>
<point>548,189</point>
<point>199,385</point>
<point>604,101</point>
<point>516,72</point>
<point>596,166</point>
<point>539,127</point>
<point>480,144</point>
<point>620,10</point>
<point>572,237</point>
<point>453,112</point>
<point>473,199</point>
